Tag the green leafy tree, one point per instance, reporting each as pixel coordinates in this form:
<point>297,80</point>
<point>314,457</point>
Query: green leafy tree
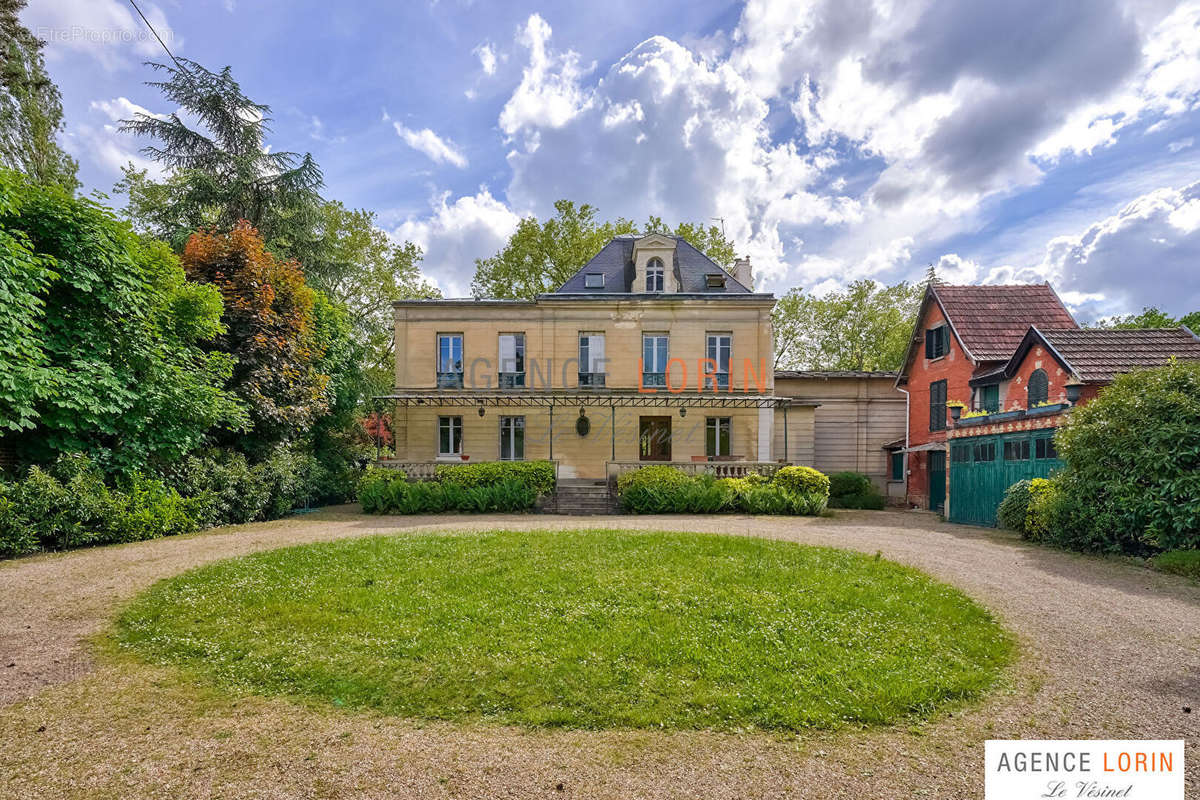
<point>1149,318</point>
<point>102,336</point>
<point>864,327</point>
<point>360,268</point>
<point>30,106</point>
<point>540,256</point>
<point>1191,321</point>
<point>221,170</point>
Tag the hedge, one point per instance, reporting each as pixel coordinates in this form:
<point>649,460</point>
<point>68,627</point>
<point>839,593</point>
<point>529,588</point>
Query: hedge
<point>667,490</point>
<point>71,504</point>
<point>537,476</point>
<point>390,492</point>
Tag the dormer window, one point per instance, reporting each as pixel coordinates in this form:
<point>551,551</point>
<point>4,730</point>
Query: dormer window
<point>593,280</point>
<point>654,275</point>
<point>714,281</point>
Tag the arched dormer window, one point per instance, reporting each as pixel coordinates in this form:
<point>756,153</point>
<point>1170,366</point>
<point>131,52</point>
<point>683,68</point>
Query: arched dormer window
<point>1038,388</point>
<point>654,275</point>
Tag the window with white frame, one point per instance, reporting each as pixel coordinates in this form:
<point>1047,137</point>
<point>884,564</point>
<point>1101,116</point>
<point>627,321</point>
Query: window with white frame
<point>717,435</point>
<point>512,438</point>
<point>654,359</point>
<point>591,359</point>
<point>718,350</point>
<point>450,361</point>
<point>449,436</point>
<point>512,360</point>
<point>654,275</point>
<point>593,280</point>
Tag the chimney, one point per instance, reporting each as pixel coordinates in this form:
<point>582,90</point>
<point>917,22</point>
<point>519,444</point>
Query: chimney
<point>743,273</point>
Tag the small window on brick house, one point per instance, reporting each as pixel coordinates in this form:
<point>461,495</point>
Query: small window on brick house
<point>1038,389</point>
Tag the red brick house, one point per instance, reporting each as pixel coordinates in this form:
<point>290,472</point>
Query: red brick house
<point>1050,371</point>
<point>962,333</point>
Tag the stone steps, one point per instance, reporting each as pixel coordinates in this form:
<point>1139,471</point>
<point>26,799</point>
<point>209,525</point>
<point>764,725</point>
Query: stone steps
<point>580,498</point>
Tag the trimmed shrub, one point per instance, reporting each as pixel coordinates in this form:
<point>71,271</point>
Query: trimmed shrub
<point>383,491</point>
<point>854,490</point>
<point>1014,507</point>
<point>802,480</point>
<point>1179,562</point>
<point>538,476</point>
<point>844,484</point>
<point>230,491</point>
<point>658,475</point>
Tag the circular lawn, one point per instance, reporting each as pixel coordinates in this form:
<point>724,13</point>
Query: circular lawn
<point>590,629</point>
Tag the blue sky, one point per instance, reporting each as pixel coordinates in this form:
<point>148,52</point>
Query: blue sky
<point>838,139</point>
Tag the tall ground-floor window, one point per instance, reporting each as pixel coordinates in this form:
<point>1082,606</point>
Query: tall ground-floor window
<point>512,438</point>
<point>716,436</point>
<point>450,436</point>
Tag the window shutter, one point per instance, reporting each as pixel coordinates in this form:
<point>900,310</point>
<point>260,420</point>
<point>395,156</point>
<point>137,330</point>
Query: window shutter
<point>595,353</point>
<point>944,333</point>
<point>508,353</point>
<point>929,344</point>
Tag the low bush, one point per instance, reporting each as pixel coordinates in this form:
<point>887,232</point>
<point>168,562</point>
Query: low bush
<point>1014,507</point>
<point>854,490</point>
<point>802,480</point>
<point>538,476</point>
<point>1179,562</point>
<point>70,505</point>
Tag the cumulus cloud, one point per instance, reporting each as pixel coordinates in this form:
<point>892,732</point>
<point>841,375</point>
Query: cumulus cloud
<point>1144,255</point>
<point>455,233</point>
<point>122,108</point>
<point>442,151</point>
<point>549,94</point>
<point>105,30</point>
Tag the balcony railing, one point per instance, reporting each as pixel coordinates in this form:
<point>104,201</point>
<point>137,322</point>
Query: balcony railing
<point>591,380</point>
<point>654,379</point>
<point>450,380</point>
<point>512,380</point>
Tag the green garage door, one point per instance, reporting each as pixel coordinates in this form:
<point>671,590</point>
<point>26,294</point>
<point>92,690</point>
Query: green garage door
<point>983,467</point>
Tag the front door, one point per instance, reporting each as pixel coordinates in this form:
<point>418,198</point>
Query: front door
<point>937,481</point>
<point>654,437</point>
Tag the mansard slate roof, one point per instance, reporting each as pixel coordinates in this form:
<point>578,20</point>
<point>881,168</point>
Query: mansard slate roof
<point>1100,354</point>
<point>615,263</point>
<point>991,321</point>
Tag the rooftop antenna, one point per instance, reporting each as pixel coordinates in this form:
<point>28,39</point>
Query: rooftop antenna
<point>722,221</point>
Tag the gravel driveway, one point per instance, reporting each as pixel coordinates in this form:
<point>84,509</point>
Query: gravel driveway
<point>1108,650</point>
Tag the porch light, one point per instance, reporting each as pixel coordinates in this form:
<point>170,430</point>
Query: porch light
<point>1074,389</point>
<point>482,411</point>
<point>955,412</point>
<point>682,411</point>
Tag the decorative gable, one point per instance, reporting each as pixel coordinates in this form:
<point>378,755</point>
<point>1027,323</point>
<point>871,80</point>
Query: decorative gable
<point>654,264</point>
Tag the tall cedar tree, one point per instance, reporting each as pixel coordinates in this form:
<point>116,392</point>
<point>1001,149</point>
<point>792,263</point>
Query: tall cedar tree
<point>540,256</point>
<point>270,330</point>
<point>221,172</point>
<point>30,106</point>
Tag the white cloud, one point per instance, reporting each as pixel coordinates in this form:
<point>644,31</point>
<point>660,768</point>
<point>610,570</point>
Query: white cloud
<point>1144,255</point>
<point>442,151</point>
<point>487,57</point>
<point>106,30</point>
<point>455,234</point>
<point>122,108</point>
<point>1181,144</point>
<point>549,94</point>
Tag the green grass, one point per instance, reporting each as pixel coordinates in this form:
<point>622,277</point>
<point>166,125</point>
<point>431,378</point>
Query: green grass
<point>1178,562</point>
<point>591,629</point>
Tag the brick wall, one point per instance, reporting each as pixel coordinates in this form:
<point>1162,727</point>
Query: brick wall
<point>955,368</point>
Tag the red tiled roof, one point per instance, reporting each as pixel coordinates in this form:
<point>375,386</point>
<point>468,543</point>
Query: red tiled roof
<point>1100,354</point>
<point>992,320</point>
